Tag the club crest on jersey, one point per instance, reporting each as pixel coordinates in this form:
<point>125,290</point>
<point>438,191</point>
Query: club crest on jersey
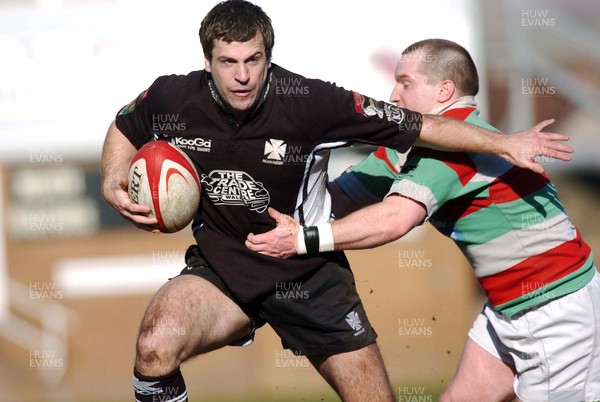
<point>369,107</point>
<point>235,188</point>
<point>277,152</point>
<point>274,152</point>
<point>131,105</point>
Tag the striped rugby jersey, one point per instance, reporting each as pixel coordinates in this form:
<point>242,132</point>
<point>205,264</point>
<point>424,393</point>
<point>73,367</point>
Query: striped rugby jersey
<point>369,181</point>
<point>508,222</point>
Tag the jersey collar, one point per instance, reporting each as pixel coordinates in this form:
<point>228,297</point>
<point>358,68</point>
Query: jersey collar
<point>265,91</point>
<point>459,103</point>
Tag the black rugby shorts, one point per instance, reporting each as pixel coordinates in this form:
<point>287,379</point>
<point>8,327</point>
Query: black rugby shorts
<point>320,314</point>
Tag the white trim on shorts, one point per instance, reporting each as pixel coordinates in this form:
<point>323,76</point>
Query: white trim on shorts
<point>555,347</point>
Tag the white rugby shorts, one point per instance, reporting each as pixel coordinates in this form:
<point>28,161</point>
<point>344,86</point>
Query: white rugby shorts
<point>555,347</point>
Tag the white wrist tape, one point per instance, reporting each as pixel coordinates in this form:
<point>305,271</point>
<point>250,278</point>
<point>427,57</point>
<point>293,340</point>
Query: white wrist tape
<point>315,239</point>
<point>325,237</point>
<point>301,244</point>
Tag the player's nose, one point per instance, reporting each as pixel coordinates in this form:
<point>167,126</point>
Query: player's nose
<point>395,97</point>
<point>241,73</point>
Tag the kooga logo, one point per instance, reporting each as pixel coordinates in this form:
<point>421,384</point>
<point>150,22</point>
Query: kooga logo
<point>194,144</point>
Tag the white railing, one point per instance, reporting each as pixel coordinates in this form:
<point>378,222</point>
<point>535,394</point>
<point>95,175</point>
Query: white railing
<point>47,342</point>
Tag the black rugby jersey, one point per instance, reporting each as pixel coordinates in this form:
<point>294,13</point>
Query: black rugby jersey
<point>277,156</point>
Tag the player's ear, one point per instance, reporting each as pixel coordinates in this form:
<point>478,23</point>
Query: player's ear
<point>446,91</point>
<point>207,64</point>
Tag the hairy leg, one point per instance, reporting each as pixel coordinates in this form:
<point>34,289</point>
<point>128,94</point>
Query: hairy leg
<point>186,317</point>
<point>356,376</point>
<point>480,377</point>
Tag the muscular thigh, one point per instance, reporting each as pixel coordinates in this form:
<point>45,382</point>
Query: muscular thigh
<point>194,315</point>
<point>480,377</point>
<point>555,347</point>
<point>552,349</point>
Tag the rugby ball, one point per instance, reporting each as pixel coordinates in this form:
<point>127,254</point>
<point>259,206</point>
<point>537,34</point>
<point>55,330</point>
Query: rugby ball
<point>164,178</point>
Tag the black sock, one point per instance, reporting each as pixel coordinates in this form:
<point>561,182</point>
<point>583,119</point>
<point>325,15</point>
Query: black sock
<point>167,388</point>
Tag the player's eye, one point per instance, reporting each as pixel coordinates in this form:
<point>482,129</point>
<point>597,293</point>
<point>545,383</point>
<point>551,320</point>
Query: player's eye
<point>253,60</point>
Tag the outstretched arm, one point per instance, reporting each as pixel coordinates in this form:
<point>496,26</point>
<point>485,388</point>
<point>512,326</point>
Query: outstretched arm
<point>369,227</point>
<point>116,157</point>
<point>519,149</point>
<point>378,224</point>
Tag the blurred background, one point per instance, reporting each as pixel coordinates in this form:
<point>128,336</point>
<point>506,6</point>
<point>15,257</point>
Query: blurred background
<point>75,277</point>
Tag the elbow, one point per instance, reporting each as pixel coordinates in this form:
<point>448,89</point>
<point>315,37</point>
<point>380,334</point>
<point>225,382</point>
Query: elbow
<point>402,215</point>
<point>394,229</point>
<point>394,226</point>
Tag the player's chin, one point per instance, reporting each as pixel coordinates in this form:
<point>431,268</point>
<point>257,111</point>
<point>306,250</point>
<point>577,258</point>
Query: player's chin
<point>242,102</point>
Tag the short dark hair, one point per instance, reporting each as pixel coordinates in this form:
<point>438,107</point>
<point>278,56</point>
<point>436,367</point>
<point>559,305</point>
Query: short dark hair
<point>236,21</point>
<point>447,60</point>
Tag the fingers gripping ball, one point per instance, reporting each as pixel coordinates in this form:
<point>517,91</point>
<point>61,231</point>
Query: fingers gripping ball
<point>163,177</point>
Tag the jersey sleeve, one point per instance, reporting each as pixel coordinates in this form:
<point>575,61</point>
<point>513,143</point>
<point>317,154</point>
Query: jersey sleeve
<point>133,120</point>
<point>369,181</point>
<point>334,114</point>
<point>433,177</point>
<point>136,119</point>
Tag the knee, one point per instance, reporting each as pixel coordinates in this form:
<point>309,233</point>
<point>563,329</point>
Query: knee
<point>158,349</point>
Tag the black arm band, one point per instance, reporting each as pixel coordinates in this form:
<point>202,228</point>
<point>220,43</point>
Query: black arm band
<point>311,239</point>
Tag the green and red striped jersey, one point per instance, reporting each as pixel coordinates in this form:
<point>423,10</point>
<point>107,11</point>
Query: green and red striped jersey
<point>508,222</point>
